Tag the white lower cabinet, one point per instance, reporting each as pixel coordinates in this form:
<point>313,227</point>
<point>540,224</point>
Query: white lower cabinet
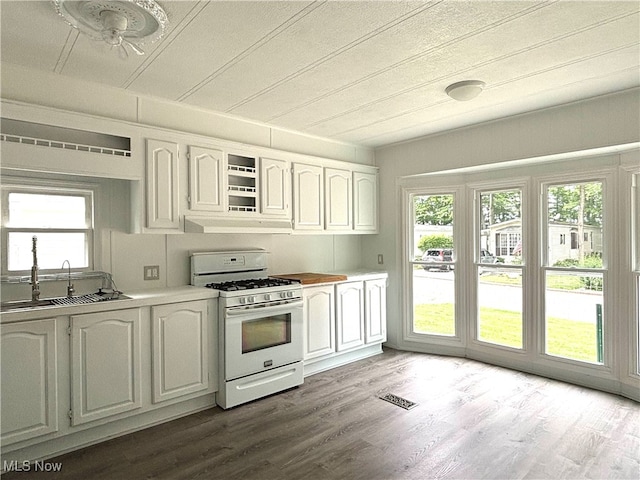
<point>73,380</point>
<point>29,395</point>
<point>375,310</point>
<point>319,321</point>
<point>349,315</point>
<point>344,322</point>
<point>105,364</point>
<point>180,353</point>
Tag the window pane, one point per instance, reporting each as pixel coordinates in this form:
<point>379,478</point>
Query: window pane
<point>574,305</point>
<point>500,306</point>
<point>36,210</point>
<point>501,227</point>
<point>433,301</point>
<point>499,309</point>
<point>575,225</point>
<point>433,281</point>
<point>52,248</point>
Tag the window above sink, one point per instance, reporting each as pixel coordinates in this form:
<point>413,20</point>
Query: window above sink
<point>61,217</point>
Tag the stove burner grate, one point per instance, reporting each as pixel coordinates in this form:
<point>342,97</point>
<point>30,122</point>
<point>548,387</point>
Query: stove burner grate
<point>250,284</point>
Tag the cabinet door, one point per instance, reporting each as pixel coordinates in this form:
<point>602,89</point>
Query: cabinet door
<point>105,364</point>
<point>29,395</point>
<point>275,187</point>
<point>337,191</point>
<point>308,197</point>
<point>375,310</point>
<point>349,315</point>
<point>162,184</point>
<point>206,179</point>
<point>180,349</point>
<point>319,321</point>
<point>365,202</point>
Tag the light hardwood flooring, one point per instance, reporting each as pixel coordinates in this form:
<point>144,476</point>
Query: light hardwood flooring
<point>472,421</point>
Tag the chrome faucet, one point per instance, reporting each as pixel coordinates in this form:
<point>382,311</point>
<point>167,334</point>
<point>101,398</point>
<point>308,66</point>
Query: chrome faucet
<point>35,284</point>
<point>70,289</point>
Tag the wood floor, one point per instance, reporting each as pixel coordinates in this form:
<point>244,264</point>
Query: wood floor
<point>472,421</point>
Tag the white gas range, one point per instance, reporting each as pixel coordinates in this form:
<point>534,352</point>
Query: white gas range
<point>260,324</point>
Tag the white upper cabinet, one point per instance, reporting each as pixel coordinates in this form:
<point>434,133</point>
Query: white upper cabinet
<point>162,184</point>
<point>308,197</point>
<point>206,179</point>
<point>275,187</point>
<point>365,202</point>
<point>337,191</point>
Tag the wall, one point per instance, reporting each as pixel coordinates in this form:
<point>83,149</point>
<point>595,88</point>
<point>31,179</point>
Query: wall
<point>560,132</point>
<point>288,254</point>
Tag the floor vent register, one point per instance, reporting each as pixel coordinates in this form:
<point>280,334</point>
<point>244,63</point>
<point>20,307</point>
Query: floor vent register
<point>399,401</point>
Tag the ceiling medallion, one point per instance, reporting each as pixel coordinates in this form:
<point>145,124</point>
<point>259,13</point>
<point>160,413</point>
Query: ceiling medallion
<point>465,90</point>
<point>119,23</point>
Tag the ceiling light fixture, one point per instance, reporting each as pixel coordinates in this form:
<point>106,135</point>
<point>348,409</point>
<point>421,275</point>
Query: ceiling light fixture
<point>465,90</point>
<point>119,23</point>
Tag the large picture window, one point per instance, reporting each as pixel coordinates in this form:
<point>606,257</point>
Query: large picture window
<point>61,219</point>
<point>526,264</point>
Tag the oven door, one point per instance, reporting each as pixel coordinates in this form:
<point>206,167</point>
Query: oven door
<point>258,338</point>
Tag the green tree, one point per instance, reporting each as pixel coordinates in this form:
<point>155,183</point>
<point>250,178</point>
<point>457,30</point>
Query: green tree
<point>498,207</point>
<point>433,209</point>
<point>435,241</point>
<point>579,203</point>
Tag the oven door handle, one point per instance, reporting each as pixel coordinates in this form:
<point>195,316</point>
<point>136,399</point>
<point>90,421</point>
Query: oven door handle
<point>262,309</point>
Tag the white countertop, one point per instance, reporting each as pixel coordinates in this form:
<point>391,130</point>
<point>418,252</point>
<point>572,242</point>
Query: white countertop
<point>138,298</point>
<point>362,274</point>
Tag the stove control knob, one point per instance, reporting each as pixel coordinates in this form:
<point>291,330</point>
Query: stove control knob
<point>251,299</point>
<point>242,300</point>
<point>290,294</point>
<point>267,297</point>
<point>283,294</point>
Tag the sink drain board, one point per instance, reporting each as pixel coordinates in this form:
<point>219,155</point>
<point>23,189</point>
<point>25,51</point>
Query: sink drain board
<point>82,299</point>
<point>399,401</point>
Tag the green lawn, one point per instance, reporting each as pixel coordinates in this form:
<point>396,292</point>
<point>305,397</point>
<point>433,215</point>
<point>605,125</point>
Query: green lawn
<point>565,338</point>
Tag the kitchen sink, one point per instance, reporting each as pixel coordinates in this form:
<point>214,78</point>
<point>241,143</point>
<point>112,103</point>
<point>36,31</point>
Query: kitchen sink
<point>61,301</point>
<point>20,304</point>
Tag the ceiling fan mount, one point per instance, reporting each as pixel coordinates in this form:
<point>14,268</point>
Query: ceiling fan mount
<point>119,23</point>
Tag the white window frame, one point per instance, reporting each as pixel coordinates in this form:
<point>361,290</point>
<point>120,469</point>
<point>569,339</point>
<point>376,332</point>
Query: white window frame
<point>630,181</point>
<point>459,339</point>
<point>609,211</point>
<point>476,189</point>
<point>35,186</point>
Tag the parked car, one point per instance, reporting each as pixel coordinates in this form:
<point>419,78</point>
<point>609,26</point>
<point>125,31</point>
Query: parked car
<point>487,257</point>
<point>436,256</point>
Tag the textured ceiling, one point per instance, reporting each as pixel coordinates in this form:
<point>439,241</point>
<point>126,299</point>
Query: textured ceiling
<point>364,72</point>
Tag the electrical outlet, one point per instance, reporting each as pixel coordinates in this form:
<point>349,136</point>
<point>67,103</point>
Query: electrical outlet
<point>380,259</point>
<point>152,272</point>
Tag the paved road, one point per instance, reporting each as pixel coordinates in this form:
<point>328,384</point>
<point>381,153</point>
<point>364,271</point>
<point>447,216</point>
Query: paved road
<point>437,287</point>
